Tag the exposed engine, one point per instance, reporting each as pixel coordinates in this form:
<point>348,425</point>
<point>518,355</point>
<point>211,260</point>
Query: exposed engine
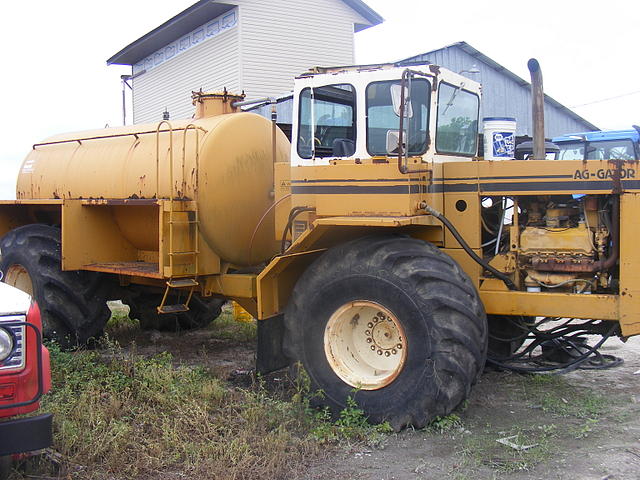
<point>554,242</point>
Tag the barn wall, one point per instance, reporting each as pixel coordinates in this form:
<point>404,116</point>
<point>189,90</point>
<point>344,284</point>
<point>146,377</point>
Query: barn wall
<point>503,96</point>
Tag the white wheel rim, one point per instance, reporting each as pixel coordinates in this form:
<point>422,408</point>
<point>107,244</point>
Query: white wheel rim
<point>17,276</point>
<point>365,345</point>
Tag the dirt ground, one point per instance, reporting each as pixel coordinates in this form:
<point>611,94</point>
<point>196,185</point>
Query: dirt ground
<point>583,425</point>
<point>576,442</point>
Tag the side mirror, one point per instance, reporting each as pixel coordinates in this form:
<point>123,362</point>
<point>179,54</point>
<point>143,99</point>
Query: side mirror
<point>396,94</point>
<point>393,141</point>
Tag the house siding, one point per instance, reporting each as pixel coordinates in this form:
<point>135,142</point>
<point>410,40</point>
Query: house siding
<point>282,39</point>
<point>211,65</point>
<point>273,42</point>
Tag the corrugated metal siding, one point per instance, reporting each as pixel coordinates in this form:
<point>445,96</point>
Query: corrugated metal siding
<point>281,39</point>
<point>503,96</point>
<point>211,65</point>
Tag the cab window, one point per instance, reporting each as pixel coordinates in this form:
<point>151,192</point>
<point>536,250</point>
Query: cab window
<point>457,125</point>
<point>571,151</point>
<point>327,120</point>
<point>611,150</point>
<point>383,117</point>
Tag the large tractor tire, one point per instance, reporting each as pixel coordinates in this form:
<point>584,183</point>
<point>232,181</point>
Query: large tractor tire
<point>202,311</point>
<point>391,321</point>
<point>72,303</point>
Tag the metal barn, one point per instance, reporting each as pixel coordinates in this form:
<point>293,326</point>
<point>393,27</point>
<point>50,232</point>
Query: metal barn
<point>504,94</point>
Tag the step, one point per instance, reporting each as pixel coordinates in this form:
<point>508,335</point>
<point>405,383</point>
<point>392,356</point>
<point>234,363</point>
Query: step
<point>185,222</point>
<point>182,283</point>
<point>183,253</point>
<point>178,308</point>
<point>135,269</point>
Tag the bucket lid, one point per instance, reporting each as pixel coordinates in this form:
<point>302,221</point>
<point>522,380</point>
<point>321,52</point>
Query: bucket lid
<point>502,119</point>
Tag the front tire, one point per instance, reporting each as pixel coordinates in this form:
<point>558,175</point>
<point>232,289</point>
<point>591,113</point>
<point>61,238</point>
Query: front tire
<point>73,304</point>
<point>409,301</point>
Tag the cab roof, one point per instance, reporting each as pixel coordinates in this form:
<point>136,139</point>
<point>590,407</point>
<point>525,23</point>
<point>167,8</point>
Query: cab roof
<point>630,134</point>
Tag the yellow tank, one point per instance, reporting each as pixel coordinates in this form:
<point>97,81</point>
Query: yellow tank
<point>224,161</point>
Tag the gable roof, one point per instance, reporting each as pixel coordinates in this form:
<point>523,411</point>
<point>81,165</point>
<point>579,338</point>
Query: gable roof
<point>198,14</point>
<point>465,47</point>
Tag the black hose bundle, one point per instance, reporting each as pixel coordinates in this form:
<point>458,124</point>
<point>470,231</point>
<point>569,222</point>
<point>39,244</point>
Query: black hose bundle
<point>567,338</point>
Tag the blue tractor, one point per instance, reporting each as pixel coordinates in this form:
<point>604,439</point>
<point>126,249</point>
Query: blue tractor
<point>603,145</point>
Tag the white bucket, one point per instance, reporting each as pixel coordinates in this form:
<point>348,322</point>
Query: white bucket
<point>499,138</point>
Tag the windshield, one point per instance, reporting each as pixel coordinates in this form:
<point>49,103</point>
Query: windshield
<point>383,120</point>
<point>597,150</point>
<point>571,151</point>
<point>611,150</point>
<point>457,128</point>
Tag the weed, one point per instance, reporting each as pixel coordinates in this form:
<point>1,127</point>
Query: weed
<point>446,424</point>
<point>225,327</point>
<point>351,425</point>
<point>586,428</point>
<point>119,415</point>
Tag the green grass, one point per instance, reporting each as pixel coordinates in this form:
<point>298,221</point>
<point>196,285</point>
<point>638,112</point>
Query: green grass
<point>120,415</point>
<point>555,395</point>
<point>547,411</point>
<point>226,328</point>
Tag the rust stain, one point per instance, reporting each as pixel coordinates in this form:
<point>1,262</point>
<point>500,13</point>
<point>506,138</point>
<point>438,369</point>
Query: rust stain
<point>133,200</point>
<point>562,265</point>
<point>616,176</point>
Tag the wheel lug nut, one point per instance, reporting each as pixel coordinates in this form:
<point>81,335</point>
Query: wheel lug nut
<point>373,347</point>
<point>367,332</point>
<point>399,346</point>
<point>379,352</point>
<point>369,340</point>
<point>386,354</point>
<point>394,351</point>
<point>370,325</point>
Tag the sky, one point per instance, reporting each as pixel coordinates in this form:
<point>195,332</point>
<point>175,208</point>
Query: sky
<point>54,76</point>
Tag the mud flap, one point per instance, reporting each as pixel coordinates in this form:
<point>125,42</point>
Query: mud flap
<point>270,355</point>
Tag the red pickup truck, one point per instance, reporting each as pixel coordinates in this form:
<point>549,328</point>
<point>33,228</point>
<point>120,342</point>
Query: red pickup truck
<point>24,377</point>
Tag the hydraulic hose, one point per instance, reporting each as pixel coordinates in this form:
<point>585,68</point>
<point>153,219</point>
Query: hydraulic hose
<point>295,211</point>
<point>498,274</point>
<point>566,367</point>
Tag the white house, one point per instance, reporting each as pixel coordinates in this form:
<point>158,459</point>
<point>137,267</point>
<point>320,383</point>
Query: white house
<point>255,46</point>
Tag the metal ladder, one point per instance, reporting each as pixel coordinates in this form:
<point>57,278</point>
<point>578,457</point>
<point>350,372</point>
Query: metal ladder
<point>184,281</point>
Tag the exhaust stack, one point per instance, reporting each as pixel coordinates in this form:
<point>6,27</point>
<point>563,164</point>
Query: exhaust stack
<point>537,110</point>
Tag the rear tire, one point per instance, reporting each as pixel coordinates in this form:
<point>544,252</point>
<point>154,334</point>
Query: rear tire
<point>72,303</point>
<point>506,335</point>
<point>428,307</point>
<point>202,311</point>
